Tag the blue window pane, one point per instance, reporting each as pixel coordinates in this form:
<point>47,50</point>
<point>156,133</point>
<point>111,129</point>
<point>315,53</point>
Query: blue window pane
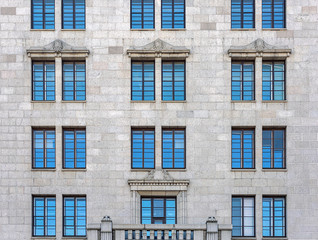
<point>273,81</point>
<point>242,148</point>
<point>143,81</point>
<point>43,81</point>
<point>143,148</point>
<point>274,148</point>
<point>173,14</point>
<point>142,14</point>
<point>74,148</point>
<point>274,219</point>
<point>243,14</point>
<point>73,14</point>
<point>74,215</point>
<point>43,148</point>
<point>243,217</point>
<point>273,13</point>
<point>158,211</point>
<point>243,83</point>
<point>173,81</point>
<point>173,148</point>
<point>43,14</point>
<point>74,81</point>
<point>44,216</point>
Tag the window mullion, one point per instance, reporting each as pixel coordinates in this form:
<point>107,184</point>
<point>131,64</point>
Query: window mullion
<point>242,149</point>
<point>242,84</point>
<point>274,217</point>
<point>74,81</point>
<point>75,147</point>
<point>45,214</point>
<point>243,232</point>
<point>74,24</point>
<point>44,147</point>
<point>272,148</point>
<point>173,148</point>
<point>142,14</point>
<point>173,81</point>
<point>75,206</point>
<point>143,81</point>
<point>242,15</point>
<point>143,149</point>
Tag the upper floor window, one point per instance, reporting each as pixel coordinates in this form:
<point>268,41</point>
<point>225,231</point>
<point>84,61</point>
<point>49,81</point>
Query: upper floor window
<point>173,13</point>
<point>242,148</point>
<point>243,83</point>
<point>143,148</point>
<point>44,217</point>
<point>142,14</point>
<point>243,14</point>
<point>274,217</point>
<point>173,81</point>
<point>74,216</point>
<point>158,210</point>
<point>43,81</point>
<point>73,14</point>
<point>173,148</point>
<point>74,81</point>
<point>74,148</point>
<point>143,80</point>
<point>274,148</point>
<point>42,14</point>
<point>273,80</point>
<point>43,152</point>
<point>274,14</point>
<point>243,216</point>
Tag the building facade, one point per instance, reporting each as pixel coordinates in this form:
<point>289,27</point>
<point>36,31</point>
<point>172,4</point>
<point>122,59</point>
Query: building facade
<point>196,117</point>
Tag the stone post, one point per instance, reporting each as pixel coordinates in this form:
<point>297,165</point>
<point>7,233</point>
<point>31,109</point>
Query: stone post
<point>106,229</point>
<point>212,229</point>
<point>93,231</point>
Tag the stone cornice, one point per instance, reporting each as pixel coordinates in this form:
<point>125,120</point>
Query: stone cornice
<point>57,48</point>
<point>158,49</point>
<point>259,48</point>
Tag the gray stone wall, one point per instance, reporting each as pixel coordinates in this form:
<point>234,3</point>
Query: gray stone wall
<point>208,115</point>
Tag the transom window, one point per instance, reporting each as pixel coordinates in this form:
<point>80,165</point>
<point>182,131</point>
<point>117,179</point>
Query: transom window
<point>42,14</point>
<point>142,14</point>
<point>274,217</point>
<point>43,152</point>
<point>273,80</point>
<point>74,216</point>
<point>274,14</point>
<point>73,12</point>
<point>74,148</point>
<point>242,148</point>
<point>43,81</point>
<point>274,148</point>
<point>173,148</point>
<point>243,83</point>
<point>243,216</point>
<point>143,148</point>
<point>74,81</point>
<point>158,210</point>
<point>243,14</point>
<point>173,13</point>
<point>173,80</point>
<point>44,216</point>
<point>143,80</point>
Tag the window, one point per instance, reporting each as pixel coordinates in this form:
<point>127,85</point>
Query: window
<point>143,148</point>
<point>43,81</point>
<point>242,148</point>
<point>243,84</point>
<point>273,81</point>
<point>43,152</point>
<point>73,12</point>
<point>173,81</point>
<point>44,219</point>
<point>142,14</point>
<point>243,216</point>
<point>173,14</point>
<point>74,216</point>
<point>143,81</point>
<point>274,217</point>
<point>274,148</point>
<point>173,148</point>
<point>273,13</point>
<point>243,14</point>
<point>74,151</point>
<point>74,81</point>
<point>42,14</point>
<point>158,210</point>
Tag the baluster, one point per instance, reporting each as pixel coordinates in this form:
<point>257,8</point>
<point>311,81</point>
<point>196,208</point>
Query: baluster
<point>130,234</point>
<point>166,234</point>
<point>180,234</point>
<point>159,235</point>
<point>137,234</point>
<point>144,234</point>
<point>173,234</point>
<point>152,234</point>
<point>188,235</point>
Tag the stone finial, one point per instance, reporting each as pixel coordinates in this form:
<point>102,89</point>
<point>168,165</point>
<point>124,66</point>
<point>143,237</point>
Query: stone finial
<point>211,219</point>
<point>106,219</point>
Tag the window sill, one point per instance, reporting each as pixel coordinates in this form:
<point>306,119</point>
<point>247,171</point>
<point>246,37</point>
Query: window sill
<point>176,170</point>
<point>66,238</point>
<point>43,169</point>
<point>142,29</point>
<point>141,101</point>
<point>44,237</point>
<point>276,238</point>
<point>245,238</point>
<point>142,170</point>
<point>64,101</point>
<point>173,29</point>
<point>274,29</point>
<point>274,170</point>
<point>243,170</point>
<point>274,101</point>
<point>43,101</point>
<point>243,101</point>
<point>243,29</point>
<point>73,30</point>
<point>182,101</point>
<point>37,30</point>
<point>74,170</point>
